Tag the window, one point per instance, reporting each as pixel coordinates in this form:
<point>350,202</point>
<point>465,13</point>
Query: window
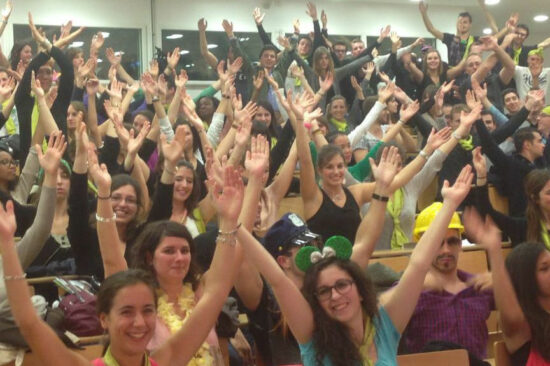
<point>125,40</point>
<point>191,59</point>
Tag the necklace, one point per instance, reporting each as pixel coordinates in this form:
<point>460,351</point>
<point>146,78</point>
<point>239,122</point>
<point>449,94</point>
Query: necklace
<point>167,313</point>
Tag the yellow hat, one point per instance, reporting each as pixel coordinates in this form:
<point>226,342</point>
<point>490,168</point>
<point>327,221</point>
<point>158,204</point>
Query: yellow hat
<point>425,218</point>
<point>546,110</point>
<point>537,52</point>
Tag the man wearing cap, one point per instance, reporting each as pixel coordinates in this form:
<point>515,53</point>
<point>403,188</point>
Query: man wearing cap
<point>454,305</point>
<point>517,50</point>
<point>534,76</point>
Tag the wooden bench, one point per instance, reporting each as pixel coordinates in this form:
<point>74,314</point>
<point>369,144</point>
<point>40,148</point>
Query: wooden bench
<point>458,357</point>
<point>499,203</point>
<point>292,204</point>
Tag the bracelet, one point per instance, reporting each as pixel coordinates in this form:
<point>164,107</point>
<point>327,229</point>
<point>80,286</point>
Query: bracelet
<point>226,96</point>
<point>456,136</point>
<point>424,154</point>
<point>380,198</point>
<point>105,219</point>
<point>236,126</point>
<point>485,177</point>
<point>400,122</point>
<point>228,237</point>
<point>15,278</point>
<point>103,198</point>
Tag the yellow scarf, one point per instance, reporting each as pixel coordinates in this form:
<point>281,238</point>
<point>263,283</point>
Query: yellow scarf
<point>467,143</point>
<point>368,340</point>
<point>109,360</point>
<point>544,234</point>
<point>395,205</point>
<point>174,322</point>
<point>516,55</point>
<point>469,43</point>
<point>341,125</point>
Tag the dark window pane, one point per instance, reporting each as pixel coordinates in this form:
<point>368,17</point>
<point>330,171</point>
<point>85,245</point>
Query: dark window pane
<point>191,59</point>
<point>126,40</point>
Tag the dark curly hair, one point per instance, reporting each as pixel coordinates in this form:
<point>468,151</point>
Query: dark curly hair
<point>331,338</point>
<point>151,237</point>
<point>521,264</point>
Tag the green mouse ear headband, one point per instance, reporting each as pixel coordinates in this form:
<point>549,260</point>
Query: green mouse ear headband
<point>336,246</point>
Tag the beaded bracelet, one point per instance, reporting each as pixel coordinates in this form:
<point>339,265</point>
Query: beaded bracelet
<point>228,237</point>
<point>105,219</point>
<point>380,198</point>
<point>424,154</point>
<point>15,278</point>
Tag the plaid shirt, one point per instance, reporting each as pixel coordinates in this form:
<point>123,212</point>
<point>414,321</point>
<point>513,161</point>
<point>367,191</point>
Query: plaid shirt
<point>459,318</point>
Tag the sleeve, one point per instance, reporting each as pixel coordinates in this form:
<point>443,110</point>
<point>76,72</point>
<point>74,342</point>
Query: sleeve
<point>280,151</point>
<point>355,113</point>
<point>166,128</point>
<point>425,176</point>
<point>27,177</point>
<point>491,149</point>
<point>78,94</point>
<point>30,245</point>
<point>247,68</point>
<point>147,149</point>
<point>362,169</point>
<point>65,88</point>
<point>499,117</point>
<point>318,40</point>
<point>368,121</point>
<point>514,227</point>
<point>264,36</point>
<point>215,129</point>
<point>348,69</point>
<point>108,154</point>
<point>209,91</point>
<point>161,208</point>
<point>423,126</point>
<point>285,61</point>
<point>506,130</point>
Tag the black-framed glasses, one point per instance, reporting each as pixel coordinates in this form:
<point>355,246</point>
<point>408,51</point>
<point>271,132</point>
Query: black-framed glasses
<point>342,286</point>
<point>452,241</point>
<point>7,162</point>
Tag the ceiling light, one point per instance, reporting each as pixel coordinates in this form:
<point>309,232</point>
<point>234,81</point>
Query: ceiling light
<point>540,18</point>
<point>210,46</point>
<point>175,36</point>
<point>105,34</point>
<point>491,2</point>
<point>119,53</point>
<point>99,60</point>
<point>487,31</point>
<point>76,44</point>
<point>184,52</point>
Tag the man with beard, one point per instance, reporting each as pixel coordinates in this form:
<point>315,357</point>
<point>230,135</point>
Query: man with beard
<point>454,305</point>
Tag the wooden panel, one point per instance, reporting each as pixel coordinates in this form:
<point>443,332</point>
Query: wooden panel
<point>499,203</point>
<point>427,197</point>
<point>292,204</point>
<point>89,352</point>
<point>473,261</point>
<point>458,357</point>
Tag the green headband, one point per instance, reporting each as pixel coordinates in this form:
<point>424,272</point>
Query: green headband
<point>536,52</point>
<point>546,110</point>
<point>62,161</point>
<point>336,246</point>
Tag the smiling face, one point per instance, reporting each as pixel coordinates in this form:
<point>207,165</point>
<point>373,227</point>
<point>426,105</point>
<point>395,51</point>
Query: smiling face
<point>472,64</point>
<point>131,320</point>
<point>78,60</point>
<point>357,48</point>
<point>433,60</point>
<point>8,167</point>
<point>268,59</point>
<point>26,54</point>
<point>263,115</point>
<point>535,62</point>
<point>125,204</point>
<point>183,184</point>
<point>206,109</point>
<point>344,303</point>
<point>512,102</point>
<point>171,259</point>
<point>332,173</point>
<point>338,109</point>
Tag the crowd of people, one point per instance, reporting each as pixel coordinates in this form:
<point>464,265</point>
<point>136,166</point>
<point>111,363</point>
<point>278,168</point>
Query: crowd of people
<point>173,203</point>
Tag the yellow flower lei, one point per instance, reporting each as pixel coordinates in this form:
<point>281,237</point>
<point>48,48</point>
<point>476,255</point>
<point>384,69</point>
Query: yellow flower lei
<point>174,322</point>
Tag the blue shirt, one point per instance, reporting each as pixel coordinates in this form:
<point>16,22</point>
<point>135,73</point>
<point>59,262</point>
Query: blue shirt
<point>386,341</point>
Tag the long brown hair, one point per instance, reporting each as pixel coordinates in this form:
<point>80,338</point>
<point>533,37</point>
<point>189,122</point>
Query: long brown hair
<point>534,183</point>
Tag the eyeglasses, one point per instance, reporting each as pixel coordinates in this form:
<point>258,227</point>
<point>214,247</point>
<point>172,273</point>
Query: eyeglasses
<point>523,35</point>
<point>452,241</point>
<point>341,286</point>
<point>7,162</point>
<point>131,201</point>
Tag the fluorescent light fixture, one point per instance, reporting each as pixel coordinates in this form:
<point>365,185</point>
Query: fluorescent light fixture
<point>119,53</point>
<point>540,18</point>
<point>175,36</point>
<point>187,65</point>
<point>105,34</point>
<point>244,39</point>
<point>99,60</point>
<point>487,31</point>
<point>184,52</point>
<point>76,44</point>
<point>491,2</point>
<point>210,46</point>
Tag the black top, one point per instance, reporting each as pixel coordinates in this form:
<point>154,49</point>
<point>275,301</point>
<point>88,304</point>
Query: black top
<point>520,357</point>
<point>332,220</point>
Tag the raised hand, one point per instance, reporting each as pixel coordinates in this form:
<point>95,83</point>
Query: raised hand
<point>324,19</point>
<point>192,116</point>
<point>7,89</point>
<point>202,24</point>
<point>300,104</point>
<point>459,190</point>
<point>423,7</point>
<point>535,100</point>
<point>234,66</point>
<point>394,37</point>
<point>311,10</point>
<point>258,80</point>
<point>257,158</point>
<point>181,79</point>
<point>484,233</point>
<point>385,32</point>
<point>408,111</point>
<point>214,170</point>
<point>385,93</point>
<point>8,224</point>
<point>228,198</point>
<point>243,132</point>
<point>99,173</point>
<point>114,59</point>
<point>271,80</point>
<point>115,91</point>
<point>468,119</point>
<point>173,58</point>
<point>6,11</point>
<point>284,42</point>
<point>228,28</point>
<point>135,142</point>
<point>92,86</point>
<point>296,26</point>
<point>258,16</point>
<point>97,42</point>
<point>81,138</point>
<point>247,112</point>
<point>436,139</point>
<point>326,83</point>
<point>173,151</point>
<point>356,85</point>
<point>37,35</point>
<point>480,164</point>
<point>386,169</point>
<point>49,160</point>
<point>154,68</point>
<point>36,87</point>
<point>471,99</point>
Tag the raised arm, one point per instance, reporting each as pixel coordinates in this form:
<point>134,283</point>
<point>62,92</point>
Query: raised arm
<point>401,301</point>
<point>208,56</point>
<point>181,347</point>
<point>427,22</point>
